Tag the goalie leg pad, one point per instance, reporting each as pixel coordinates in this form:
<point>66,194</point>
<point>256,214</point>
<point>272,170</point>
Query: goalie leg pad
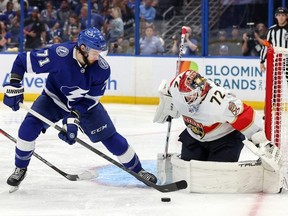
<point>226,177</point>
<point>273,182</point>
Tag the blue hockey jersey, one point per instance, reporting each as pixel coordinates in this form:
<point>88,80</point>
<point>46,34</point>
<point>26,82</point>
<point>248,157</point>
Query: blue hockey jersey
<point>70,85</point>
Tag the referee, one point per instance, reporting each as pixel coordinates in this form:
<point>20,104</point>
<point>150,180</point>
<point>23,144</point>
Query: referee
<point>277,34</point>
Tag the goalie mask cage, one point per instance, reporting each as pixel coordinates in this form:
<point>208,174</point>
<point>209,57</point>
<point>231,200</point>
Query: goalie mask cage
<point>276,99</point>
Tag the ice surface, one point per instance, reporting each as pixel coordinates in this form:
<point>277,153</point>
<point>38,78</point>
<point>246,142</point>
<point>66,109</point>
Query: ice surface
<point>114,193</point>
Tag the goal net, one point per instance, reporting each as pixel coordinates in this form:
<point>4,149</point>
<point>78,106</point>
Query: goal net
<point>276,100</point>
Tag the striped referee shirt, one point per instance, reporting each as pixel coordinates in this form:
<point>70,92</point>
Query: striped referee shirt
<point>278,37</point>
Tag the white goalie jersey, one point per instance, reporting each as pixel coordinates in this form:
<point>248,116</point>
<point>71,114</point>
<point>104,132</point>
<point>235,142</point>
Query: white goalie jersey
<point>218,113</point>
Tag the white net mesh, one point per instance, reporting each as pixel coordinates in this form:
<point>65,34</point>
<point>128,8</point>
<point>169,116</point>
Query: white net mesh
<point>279,101</point>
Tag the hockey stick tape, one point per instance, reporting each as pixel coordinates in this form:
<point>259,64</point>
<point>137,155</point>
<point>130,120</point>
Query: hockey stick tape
<point>184,30</point>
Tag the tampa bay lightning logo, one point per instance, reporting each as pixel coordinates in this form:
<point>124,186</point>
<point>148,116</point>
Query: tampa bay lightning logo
<point>73,93</point>
<point>62,51</point>
<point>102,63</point>
<point>90,33</point>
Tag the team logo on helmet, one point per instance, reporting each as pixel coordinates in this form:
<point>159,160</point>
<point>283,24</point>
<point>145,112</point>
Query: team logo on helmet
<point>90,33</point>
<point>102,63</point>
<point>62,51</point>
<point>191,86</point>
<point>190,80</point>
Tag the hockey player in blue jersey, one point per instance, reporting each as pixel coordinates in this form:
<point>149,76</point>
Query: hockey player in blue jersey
<point>76,81</point>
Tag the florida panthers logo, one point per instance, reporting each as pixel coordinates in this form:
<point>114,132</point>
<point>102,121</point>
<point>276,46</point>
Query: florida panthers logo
<point>196,127</point>
<point>234,109</point>
<point>73,94</point>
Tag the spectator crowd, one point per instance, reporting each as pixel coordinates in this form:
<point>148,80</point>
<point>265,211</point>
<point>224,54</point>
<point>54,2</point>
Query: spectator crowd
<point>56,21</point>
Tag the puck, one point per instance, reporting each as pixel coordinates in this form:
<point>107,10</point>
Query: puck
<point>165,199</point>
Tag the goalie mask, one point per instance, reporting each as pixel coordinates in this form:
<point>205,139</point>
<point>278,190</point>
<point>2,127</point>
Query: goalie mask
<point>188,89</point>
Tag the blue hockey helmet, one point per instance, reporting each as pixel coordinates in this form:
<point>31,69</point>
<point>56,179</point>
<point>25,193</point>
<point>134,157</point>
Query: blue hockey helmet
<point>92,38</point>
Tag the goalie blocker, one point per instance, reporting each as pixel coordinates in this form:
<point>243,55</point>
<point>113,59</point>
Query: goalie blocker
<point>165,107</point>
<point>222,177</point>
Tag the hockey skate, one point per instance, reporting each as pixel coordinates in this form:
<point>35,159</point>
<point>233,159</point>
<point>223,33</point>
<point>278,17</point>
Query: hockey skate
<point>147,176</point>
<point>16,178</point>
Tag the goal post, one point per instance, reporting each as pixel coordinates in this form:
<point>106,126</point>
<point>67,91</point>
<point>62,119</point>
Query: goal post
<point>276,98</point>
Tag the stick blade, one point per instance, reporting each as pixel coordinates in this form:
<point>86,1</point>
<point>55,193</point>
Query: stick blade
<point>175,186</point>
<point>181,185</point>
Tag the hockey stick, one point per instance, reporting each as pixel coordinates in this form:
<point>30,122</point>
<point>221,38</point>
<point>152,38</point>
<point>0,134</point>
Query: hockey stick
<point>83,176</point>
<point>181,47</point>
<point>162,188</point>
<point>164,160</point>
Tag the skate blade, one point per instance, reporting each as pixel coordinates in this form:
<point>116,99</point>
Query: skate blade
<point>13,189</point>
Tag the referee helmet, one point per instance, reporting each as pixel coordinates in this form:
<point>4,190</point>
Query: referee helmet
<point>281,10</point>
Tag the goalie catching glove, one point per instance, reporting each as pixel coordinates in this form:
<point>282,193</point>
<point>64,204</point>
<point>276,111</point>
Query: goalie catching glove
<point>165,108</point>
<point>270,154</point>
<point>71,124</point>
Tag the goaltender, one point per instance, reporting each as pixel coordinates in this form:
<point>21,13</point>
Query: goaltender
<point>218,124</point>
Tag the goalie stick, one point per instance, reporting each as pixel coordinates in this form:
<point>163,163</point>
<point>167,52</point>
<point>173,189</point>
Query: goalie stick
<point>83,176</point>
<point>181,47</point>
<point>175,186</point>
<point>165,157</point>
